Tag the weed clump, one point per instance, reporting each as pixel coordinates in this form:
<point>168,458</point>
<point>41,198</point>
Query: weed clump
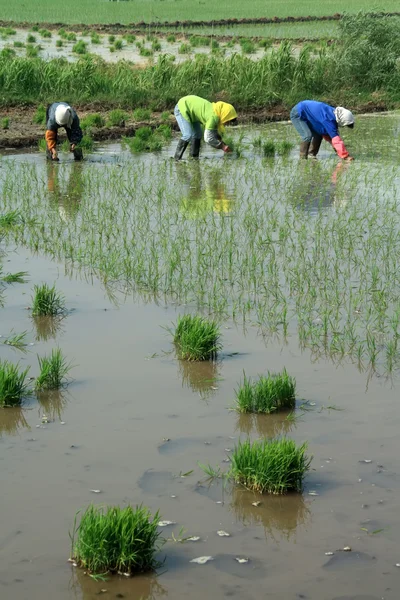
<point>270,466</point>
<point>80,47</point>
<point>116,539</point>
<point>117,118</point>
<point>40,115</point>
<point>59,44</point>
<point>141,114</point>
<point>30,39</point>
<point>95,38</point>
<point>247,46</point>
<point>53,371</point>
<point>47,301</point>
<point>145,140</point>
<point>269,148</point>
<point>118,44</point>
<point>94,120</point>
<point>185,49</point>
<point>32,51</point>
<point>13,384</point>
<point>197,338</point>
<point>171,38</point>
<point>5,123</point>
<point>284,148</point>
<point>269,394</point>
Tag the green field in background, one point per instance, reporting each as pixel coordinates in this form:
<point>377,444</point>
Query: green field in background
<point>105,11</point>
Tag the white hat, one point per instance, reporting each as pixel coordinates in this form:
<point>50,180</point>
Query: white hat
<point>343,116</point>
<point>63,115</point>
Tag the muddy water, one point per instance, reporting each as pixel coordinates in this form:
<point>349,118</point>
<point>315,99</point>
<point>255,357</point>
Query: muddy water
<point>135,419</point>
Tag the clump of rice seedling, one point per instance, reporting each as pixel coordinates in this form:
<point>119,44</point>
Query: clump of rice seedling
<point>266,43</point>
<point>10,219</point>
<point>71,37</point>
<point>268,394</point>
<point>5,123</point>
<point>184,49</point>
<point>116,539</point>
<point>171,38</point>
<point>47,301</point>
<point>59,43</point>
<point>53,371</point>
<point>165,116</point>
<point>284,148</point>
<point>118,44</point>
<point>270,466</point>
<point>111,39</point>
<point>13,384</point>
<point>32,51</point>
<point>35,28</point>
<point>86,143</point>
<point>45,33</point>
<point>197,41</point>
<point>155,45</point>
<point>80,47</point>
<point>141,114</point>
<point>17,340</point>
<point>7,53</point>
<point>31,39</point>
<point>40,115</point>
<point>19,44</point>
<point>164,131</point>
<point>247,46</point>
<point>117,118</point>
<point>62,33</point>
<point>19,277</point>
<point>269,148</point>
<point>214,44</point>
<point>197,338</point>
<point>144,140</point>
<point>112,49</point>
<point>129,38</point>
<point>94,120</point>
<point>145,51</point>
<point>95,38</point>
<point>7,31</point>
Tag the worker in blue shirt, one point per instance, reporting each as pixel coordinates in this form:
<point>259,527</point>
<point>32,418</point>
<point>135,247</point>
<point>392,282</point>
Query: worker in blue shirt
<point>316,120</point>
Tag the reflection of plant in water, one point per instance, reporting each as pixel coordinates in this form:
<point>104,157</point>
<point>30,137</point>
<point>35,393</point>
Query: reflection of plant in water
<point>52,403</point>
<point>269,426</point>
<point>143,587</point>
<point>12,420</point>
<point>47,327</point>
<point>201,377</point>
<point>279,515</point>
<point>205,191</point>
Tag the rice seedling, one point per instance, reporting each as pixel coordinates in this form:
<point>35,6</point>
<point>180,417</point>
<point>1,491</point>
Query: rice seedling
<point>18,44</point>
<point>7,52</point>
<point>214,44</point>
<point>197,338</point>
<point>71,37</point>
<point>59,44</point>
<point>270,466</point>
<point>197,41</point>
<point>19,277</point>
<point>184,49</point>
<point>86,143</point>
<point>145,51</point>
<point>35,28</point>
<point>141,114</point>
<point>47,301</point>
<point>95,38</point>
<point>156,46</point>
<point>40,115</point>
<point>145,140</point>
<point>93,120</point>
<point>42,145</point>
<point>165,117</point>
<point>117,118</point>
<point>129,38</point>
<point>118,44</point>
<point>10,219</point>
<point>80,47</point>
<point>284,147</point>
<point>13,385</point>
<point>268,148</point>
<point>268,394</point>
<point>247,46</point>
<point>116,539</point>
<point>164,131</point>
<point>53,371</point>
<point>265,43</point>
<point>5,123</point>
<point>171,38</point>
<point>31,39</point>
<point>62,33</point>
<point>111,39</point>
<point>17,340</point>
<point>32,51</point>
<point>112,49</point>
<point>45,33</point>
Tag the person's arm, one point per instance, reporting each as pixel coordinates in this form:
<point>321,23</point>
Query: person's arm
<point>336,141</point>
<point>75,133</point>
<point>211,135</point>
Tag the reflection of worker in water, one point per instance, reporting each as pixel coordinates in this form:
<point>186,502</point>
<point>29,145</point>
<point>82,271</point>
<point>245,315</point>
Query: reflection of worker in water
<point>193,114</point>
<point>316,120</point>
<point>317,189</point>
<point>61,114</point>
<point>67,194</point>
<point>204,192</point>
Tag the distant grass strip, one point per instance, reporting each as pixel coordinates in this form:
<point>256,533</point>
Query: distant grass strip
<point>270,466</point>
<point>116,539</point>
<point>13,385</point>
<point>197,338</point>
<point>53,371</point>
<point>271,393</point>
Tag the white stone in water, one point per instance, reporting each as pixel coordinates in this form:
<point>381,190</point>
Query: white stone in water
<point>194,538</point>
<point>96,491</point>
<point>166,523</point>
<point>397,564</point>
<point>347,549</point>
<point>242,560</point>
<point>328,553</point>
<point>313,494</point>
<point>255,503</point>
<point>201,560</point>
<point>223,533</point>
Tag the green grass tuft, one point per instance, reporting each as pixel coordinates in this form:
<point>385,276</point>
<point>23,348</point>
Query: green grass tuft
<point>47,301</point>
<point>116,539</point>
<point>269,394</point>
<point>197,338</point>
<point>80,47</point>
<point>185,49</point>
<point>269,148</point>
<point>270,466</point>
<point>19,277</point>
<point>95,38</point>
<point>141,114</point>
<point>53,371</point>
<point>94,120</point>
<point>284,148</point>
<point>118,44</point>
<point>117,118</point>
<point>13,385</point>
<point>5,123</point>
<point>40,115</point>
<point>32,51</point>
<point>30,39</point>
<point>171,38</point>
<point>10,219</point>
<point>59,43</point>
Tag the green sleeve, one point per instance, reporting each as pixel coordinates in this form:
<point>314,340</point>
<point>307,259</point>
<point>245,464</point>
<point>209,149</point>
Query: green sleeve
<point>212,123</point>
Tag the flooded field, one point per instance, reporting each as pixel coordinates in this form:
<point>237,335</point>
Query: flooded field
<point>298,261</point>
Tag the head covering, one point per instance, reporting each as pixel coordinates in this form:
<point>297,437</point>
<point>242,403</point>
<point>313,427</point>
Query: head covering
<point>63,115</point>
<point>225,112</point>
<point>343,116</point>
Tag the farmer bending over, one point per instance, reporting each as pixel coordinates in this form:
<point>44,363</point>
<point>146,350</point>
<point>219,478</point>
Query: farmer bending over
<point>60,114</point>
<point>192,113</point>
<point>316,120</point>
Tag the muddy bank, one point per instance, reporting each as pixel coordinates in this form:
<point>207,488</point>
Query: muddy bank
<point>23,133</point>
<point>140,25</point>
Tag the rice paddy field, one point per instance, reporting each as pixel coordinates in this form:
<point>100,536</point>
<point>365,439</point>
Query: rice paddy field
<point>295,262</point>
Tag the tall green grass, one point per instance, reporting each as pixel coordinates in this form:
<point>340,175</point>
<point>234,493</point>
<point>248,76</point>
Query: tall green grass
<point>268,394</point>
<point>197,338</point>
<point>13,384</point>
<point>270,466</point>
<point>116,539</point>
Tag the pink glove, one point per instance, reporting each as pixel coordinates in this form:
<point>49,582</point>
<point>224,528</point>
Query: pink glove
<point>339,146</point>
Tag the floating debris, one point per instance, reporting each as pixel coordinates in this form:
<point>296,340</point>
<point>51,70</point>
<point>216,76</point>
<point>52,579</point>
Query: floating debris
<point>228,449</point>
<point>258,503</point>
<point>313,493</point>
<point>219,502</point>
<point>397,564</point>
<point>45,419</point>
<point>194,538</point>
<point>166,439</point>
<point>166,523</point>
<point>96,491</point>
<point>329,553</point>
<point>62,422</point>
<point>366,461</point>
<point>241,561</point>
<point>347,549</point>
<point>201,560</point>
<point>173,496</point>
<point>223,533</point>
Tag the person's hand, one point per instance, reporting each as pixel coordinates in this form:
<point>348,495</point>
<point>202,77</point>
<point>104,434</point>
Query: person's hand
<point>72,147</point>
<point>226,149</point>
<point>54,154</point>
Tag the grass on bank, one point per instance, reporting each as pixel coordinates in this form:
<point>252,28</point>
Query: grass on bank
<point>270,466</point>
<point>275,392</point>
<point>197,338</point>
<point>47,301</point>
<point>53,371</point>
<point>116,539</point>
<point>13,384</point>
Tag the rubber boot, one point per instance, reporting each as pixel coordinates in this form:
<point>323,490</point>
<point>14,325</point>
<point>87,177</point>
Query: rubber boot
<point>195,148</point>
<point>78,154</point>
<point>180,149</point>
<point>315,146</point>
<point>304,147</point>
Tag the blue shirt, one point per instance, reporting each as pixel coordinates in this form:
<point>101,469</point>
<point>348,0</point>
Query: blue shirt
<point>320,117</point>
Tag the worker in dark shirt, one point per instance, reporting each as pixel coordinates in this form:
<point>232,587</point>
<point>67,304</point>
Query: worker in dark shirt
<point>61,114</point>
